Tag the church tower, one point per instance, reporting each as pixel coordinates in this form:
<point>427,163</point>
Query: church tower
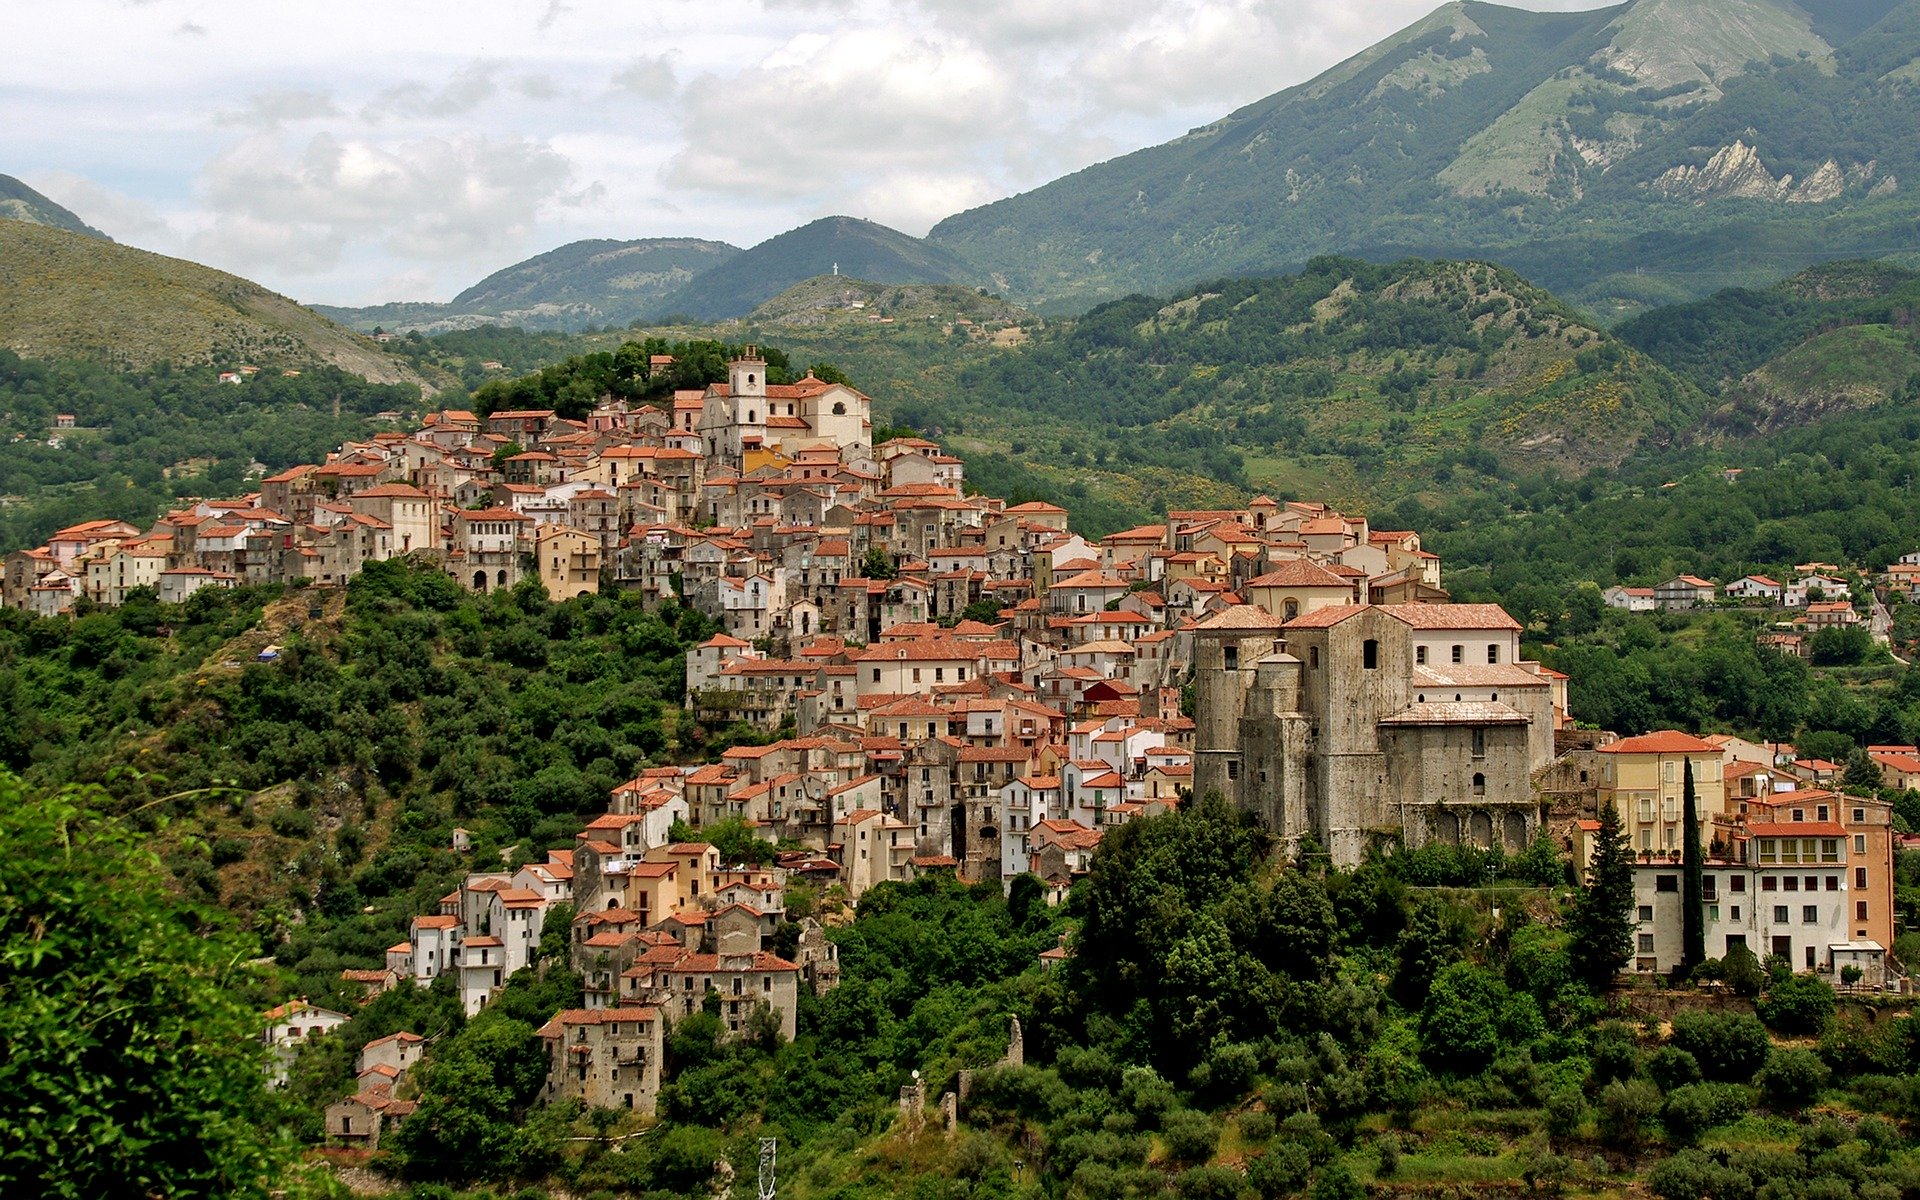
<point>747,394</point>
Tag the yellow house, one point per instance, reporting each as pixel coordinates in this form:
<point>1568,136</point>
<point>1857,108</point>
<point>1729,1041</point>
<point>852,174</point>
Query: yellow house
<point>1643,777</point>
<point>755,457</point>
<point>569,561</point>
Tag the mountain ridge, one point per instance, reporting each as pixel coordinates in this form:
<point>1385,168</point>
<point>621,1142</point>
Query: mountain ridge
<point>1536,139</point>
<point>594,281</point>
<point>829,246</point>
<point>66,295</point>
<point>19,202</point>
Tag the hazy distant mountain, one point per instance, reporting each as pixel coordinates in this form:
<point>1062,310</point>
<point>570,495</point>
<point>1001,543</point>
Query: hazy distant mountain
<point>1624,156</point>
<point>18,202</point>
<point>854,247</point>
<point>594,282</point>
<point>63,295</point>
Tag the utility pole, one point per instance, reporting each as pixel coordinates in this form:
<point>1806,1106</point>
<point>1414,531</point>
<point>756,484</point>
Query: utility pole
<point>769,1186</point>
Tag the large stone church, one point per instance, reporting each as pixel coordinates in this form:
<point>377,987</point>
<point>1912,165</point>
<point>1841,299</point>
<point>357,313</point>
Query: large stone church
<point>746,418</point>
<point>1360,724</point>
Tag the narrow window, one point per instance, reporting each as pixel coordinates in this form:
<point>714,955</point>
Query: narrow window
<point>1370,654</point>
<point>1459,654</point>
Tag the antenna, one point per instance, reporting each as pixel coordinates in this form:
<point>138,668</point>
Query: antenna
<point>769,1186</point>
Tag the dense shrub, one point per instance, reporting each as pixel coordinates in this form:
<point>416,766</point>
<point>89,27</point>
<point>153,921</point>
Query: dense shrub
<point>1728,1047</point>
<point>1692,1110</point>
<point>1672,1067</point>
<point>1281,1171</point>
<point>1625,1109</point>
<point>1792,1079</point>
<point>1798,1004</point>
<point>1190,1136</point>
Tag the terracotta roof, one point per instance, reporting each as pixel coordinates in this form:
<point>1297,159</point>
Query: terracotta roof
<point>1299,573</point>
<point>1666,741</point>
<point>1798,829</point>
<point>1247,617</point>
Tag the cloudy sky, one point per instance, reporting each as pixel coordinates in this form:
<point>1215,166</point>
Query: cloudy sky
<point>353,152</point>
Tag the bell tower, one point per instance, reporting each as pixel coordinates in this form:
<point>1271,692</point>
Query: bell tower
<point>747,380</point>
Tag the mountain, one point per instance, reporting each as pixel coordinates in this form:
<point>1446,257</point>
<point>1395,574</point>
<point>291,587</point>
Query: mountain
<point>842,299</point>
<point>1624,157</point>
<point>64,295</point>
<point>18,202</point>
<point>580,284</point>
<point>1831,339</point>
<point>831,245</point>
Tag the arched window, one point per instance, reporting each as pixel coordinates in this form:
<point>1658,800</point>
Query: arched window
<point>1313,658</point>
<point>749,379</point>
<point>1292,609</point>
<point>839,408</point>
<point>1479,784</point>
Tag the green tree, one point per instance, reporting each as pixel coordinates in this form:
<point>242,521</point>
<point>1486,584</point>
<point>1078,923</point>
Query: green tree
<point>475,1090</point>
<point>1601,922</point>
<point>878,564</point>
<point>1693,901</point>
<point>1792,1079</point>
<point>1798,1004</point>
<point>1863,774</point>
<point>1729,1047</point>
<point>131,1064</point>
<point>1459,1027</point>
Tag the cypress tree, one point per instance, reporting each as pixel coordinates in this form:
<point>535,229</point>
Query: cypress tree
<point>1602,919</point>
<point>1693,912</point>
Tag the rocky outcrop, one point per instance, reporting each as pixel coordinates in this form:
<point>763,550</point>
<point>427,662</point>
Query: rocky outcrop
<point>1736,172</point>
<point>1827,183</point>
<point>1733,171</point>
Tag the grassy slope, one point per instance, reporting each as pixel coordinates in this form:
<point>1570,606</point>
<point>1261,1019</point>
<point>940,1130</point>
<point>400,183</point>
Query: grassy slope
<point>65,295</point>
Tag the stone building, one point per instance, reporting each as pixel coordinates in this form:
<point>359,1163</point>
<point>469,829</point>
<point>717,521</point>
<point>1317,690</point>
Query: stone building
<point>1361,724</point>
<point>605,1057</point>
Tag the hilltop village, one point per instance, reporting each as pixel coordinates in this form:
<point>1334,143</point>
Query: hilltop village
<point>950,683</point>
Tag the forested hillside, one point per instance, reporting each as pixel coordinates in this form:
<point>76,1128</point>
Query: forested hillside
<point>142,440</point>
<point>337,773</point>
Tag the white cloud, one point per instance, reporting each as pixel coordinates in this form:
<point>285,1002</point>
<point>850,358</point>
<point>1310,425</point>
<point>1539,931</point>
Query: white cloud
<point>824,108</point>
<point>915,201</point>
<point>649,76</point>
<point>469,88</point>
<point>1050,25</point>
<point>434,199</point>
<point>270,110</point>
